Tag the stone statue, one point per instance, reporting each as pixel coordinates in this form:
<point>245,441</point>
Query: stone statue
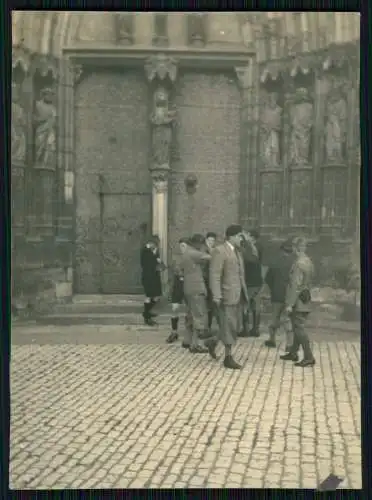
<point>163,120</point>
<point>271,123</point>
<point>45,129</point>
<point>18,125</point>
<point>335,129</point>
<point>301,120</point>
<point>124,27</point>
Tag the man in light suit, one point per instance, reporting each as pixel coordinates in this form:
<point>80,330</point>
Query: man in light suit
<point>229,292</point>
<point>195,294</point>
<point>298,304</point>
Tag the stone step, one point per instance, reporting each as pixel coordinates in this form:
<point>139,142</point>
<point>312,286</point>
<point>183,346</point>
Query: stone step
<point>135,319</point>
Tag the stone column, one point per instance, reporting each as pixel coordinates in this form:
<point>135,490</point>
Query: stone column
<point>248,82</point>
<point>160,209</point>
<point>161,72</point>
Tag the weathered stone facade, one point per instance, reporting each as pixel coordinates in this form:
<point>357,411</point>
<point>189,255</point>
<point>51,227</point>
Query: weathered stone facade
<point>264,131</point>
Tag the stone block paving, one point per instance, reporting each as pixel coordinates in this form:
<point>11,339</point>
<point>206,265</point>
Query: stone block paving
<point>153,416</point>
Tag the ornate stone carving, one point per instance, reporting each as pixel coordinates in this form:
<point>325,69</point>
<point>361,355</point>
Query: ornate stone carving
<point>245,75</point>
<point>76,72</point>
<point>301,123</point>
<point>336,125</point>
<point>45,66</point>
<point>123,22</point>
<point>163,120</point>
<point>196,23</point>
<point>161,67</point>
<point>45,118</point>
<point>160,180</point>
<point>18,124</point>
<point>21,59</point>
<point>271,71</point>
<point>271,124</point>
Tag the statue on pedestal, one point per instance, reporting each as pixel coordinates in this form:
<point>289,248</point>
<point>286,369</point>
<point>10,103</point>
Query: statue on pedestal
<point>18,127</point>
<point>271,124</point>
<point>335,129</point>
<point>45,129</point>
<point>163,120</point>
<point>301,119</point>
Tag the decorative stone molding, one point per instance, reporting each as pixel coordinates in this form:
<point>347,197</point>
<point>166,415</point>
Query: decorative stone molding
<point>245,75</point>
<point>271,71</point>
<point>21,58</point>
<point>76,73</point>
<point>161,67</point>
<point>45,66</point>
<point>160,180</point>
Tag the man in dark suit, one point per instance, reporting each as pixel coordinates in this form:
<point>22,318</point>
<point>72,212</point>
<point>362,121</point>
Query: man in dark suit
<point>195,294</point>
<point>277,279</point>
<point>229,292</point>
<point>252,257</point>
<point>210,243</point>
<point>151,279</point>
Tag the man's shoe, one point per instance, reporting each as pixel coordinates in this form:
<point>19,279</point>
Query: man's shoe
<point>185,346</point>
<point>211,346</point>
<point>198,349</point>
<point>150,322</point>
<point>230,363</point>
<point>289,357</point>
<point>173,337</point>
<point>305,362</point>
<point>270,343</point>
<point>253,333</point>
<point>243,334</point>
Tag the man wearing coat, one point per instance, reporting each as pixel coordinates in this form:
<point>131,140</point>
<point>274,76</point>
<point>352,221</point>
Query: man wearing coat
<point>210,241</point>
<point>298,304</point>
<point>151,277</point>
<point>229,292</point>
<point>252,258</point>
<point>277,278</point>
<point>195,294</point>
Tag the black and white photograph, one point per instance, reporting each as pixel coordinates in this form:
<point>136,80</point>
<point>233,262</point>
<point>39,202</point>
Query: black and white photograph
<point>185,250</point>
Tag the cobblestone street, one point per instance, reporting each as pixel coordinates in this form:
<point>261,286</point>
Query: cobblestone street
<point>155,416</point>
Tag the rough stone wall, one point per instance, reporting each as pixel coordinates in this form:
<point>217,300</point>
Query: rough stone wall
<point>207,146</point>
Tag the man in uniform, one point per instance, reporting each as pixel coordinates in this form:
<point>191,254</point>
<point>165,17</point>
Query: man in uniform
<point>277,279</point>
<point>252,257</point>
<point>210,241</point>
<point>298,304</point>
<point>151,278</point>
<point>195,294</point>
<point>177,294</point>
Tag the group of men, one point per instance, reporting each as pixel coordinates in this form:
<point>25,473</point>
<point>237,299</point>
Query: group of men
<point>224,282</point>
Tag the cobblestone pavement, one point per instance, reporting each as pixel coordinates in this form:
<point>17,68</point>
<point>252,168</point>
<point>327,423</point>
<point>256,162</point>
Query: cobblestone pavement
<point>155,416</point>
